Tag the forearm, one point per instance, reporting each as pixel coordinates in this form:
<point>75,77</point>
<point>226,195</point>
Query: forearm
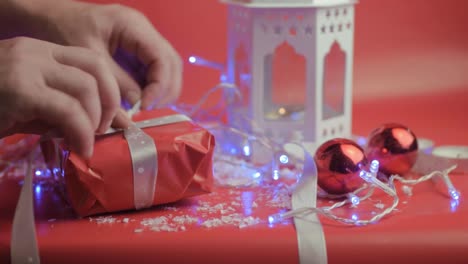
<point>27,18</point>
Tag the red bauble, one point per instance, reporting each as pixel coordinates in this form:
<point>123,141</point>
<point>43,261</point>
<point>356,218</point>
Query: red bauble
<point>339,162</point>
<point>395,147</point>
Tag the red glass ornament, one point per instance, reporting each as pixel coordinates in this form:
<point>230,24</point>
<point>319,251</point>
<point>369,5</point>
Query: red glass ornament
<point>395,147</point>
<point>339,162</point>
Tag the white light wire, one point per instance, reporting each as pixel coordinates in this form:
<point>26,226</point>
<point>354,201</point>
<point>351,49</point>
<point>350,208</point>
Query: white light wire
<point>369,176</point>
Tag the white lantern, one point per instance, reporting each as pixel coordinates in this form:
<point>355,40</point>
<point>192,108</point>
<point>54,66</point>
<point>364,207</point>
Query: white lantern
<point>292,61</point>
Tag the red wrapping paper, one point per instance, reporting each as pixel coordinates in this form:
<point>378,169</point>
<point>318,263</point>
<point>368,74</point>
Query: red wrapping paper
<point>105,182</point>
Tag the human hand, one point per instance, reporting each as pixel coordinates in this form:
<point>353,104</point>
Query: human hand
<point>44,86</point>
<point>107,29</point>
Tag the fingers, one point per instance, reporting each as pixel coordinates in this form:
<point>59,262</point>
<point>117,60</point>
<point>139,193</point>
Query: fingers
<point>78,84</point>
<point>83,86</point>
<point>45,86</point>
<point>164,64</point>
<point>158,84</point>
<point>121,120</point>
<point>66,113</point>
<point>96,65</point>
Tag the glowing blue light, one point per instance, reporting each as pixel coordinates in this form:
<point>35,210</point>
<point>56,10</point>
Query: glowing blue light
<point>247,202</point>
<point>454,205</point>
<point>276,218</point>
<point>374,166</point>
<point>233,150</point>
<point>38,173</point>
<point>223,78</point>
<point>245,77</point>
<point>56,170</point>
<point>275,175</point>
<point>361,141</point>
<point>364,175</point>
<point>246,150</point>
<point>354,217</point>
<point>454,194</point>
<point>271,219</point>
<point>354,199</point>
<point>192,59</point>
<point>284,159</point>
<point>257,175</point>
<point>38,189</point>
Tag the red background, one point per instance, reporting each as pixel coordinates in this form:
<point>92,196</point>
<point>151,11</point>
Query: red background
<point>401,47</point>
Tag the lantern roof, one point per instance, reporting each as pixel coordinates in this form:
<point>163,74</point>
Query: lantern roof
<point>289,3</point>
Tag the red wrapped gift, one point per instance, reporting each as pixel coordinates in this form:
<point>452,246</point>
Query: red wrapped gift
<point>107,182</point>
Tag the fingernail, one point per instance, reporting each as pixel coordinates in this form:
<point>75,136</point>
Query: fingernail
<point>126,117</point>
<point>133,96</point>
<point>104,127</point>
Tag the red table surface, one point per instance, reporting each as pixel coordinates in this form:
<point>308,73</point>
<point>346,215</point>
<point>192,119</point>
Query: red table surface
<point>425,229</point>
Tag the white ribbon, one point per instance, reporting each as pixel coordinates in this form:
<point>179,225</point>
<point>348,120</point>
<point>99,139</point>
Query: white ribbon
<point>143,152</point>
<point>23,236</point>
<point>144,155</point>
<point>310,237</point>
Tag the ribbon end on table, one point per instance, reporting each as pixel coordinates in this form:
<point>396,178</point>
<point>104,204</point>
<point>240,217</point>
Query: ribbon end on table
<point>24,249</point>
<point>310,236</point>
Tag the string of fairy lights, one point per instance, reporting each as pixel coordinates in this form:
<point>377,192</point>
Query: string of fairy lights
<point>353,198</point>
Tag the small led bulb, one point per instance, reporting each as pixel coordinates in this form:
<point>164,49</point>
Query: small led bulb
<point>454,193</point>
<point>246,150</point>
<point>366,176</point>
<point>192,59</point>
<point>374,167</point>
<point>276,175</point>
<point>283,159</point>
<point>276,218</point>
<point>354,199</point>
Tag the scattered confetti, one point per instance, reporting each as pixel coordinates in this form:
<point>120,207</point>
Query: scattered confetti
<point>379,205</point>
<point>407,190</point>
<point>233,220</point>
<point>235,172</point>
<point>185,219</point>
<point>104,220</point>
<point>212,223</point>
